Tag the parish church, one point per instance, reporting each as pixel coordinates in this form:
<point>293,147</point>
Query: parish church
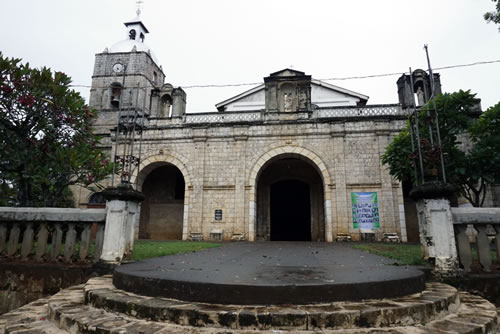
<point>293,158</point>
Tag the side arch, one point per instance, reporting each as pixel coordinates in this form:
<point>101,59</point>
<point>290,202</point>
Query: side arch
<point>154,161</point>
<point>294,152</point>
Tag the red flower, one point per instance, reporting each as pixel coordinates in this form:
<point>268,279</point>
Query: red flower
<point>7,89</point>
<point>27,100</point>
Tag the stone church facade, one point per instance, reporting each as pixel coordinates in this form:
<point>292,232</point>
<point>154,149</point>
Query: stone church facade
<point>277,162</point>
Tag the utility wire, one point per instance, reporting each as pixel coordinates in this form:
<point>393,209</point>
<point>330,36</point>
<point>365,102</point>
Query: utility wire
<point>327,79</point>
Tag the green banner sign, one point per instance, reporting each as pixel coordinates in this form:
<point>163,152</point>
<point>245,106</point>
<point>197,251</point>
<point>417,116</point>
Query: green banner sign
<point>365,213</point>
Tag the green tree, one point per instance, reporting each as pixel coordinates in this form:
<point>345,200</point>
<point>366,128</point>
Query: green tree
<point>470,146</point>
<point>46,140</point>
<point>494,16</point>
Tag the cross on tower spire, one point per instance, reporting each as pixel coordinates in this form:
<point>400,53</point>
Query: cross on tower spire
<point>139,3</point>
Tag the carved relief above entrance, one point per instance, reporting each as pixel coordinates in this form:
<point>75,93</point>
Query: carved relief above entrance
<point>288,91</point>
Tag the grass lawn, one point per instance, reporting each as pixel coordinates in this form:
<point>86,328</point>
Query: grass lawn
<point>145,249</point>
<point>408,254</point>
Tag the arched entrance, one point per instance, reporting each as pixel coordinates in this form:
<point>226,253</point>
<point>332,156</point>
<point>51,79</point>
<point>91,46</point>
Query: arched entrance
<point>163,209</point>
<point>290,201</point>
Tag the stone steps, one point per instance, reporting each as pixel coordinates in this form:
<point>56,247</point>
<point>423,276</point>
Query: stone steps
<point>436,301</point>
<point>31,318</point>
<point>70,311</point>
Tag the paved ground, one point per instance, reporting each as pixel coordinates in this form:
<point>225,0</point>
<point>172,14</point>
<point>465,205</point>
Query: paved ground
<point>270,272</point>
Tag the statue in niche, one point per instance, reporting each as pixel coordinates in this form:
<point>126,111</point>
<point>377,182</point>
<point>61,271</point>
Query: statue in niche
<point>420,97</point>
<point>166,104</point>
<point>166,110</point>
<point>287,102</point>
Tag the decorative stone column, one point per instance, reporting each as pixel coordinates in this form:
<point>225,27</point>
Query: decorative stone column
<point>435,225</point>
<point>122,209</point>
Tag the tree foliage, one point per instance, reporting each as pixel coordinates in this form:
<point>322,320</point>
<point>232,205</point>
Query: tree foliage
<point>46,141</point>
<point>470,146</point>
<point>494,16</point>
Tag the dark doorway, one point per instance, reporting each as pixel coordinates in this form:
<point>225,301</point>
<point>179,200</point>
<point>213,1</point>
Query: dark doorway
<point>290,211</point>
<point>290,198</point>
<point>163,209</point>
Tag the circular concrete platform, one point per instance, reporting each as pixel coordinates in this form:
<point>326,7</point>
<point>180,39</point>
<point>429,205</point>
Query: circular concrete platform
<point>270,273</point>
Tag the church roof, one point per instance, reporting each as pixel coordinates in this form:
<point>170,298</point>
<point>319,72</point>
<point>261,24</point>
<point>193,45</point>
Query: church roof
<point>137,20</point>
<point>240,96</point>
<point>339,89</point>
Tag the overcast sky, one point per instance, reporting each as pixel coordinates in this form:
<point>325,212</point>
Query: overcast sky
<point>228,42</point>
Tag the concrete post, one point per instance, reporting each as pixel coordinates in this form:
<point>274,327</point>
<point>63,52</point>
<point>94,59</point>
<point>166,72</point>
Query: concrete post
<point>122,206</point>
<point>435,224</point>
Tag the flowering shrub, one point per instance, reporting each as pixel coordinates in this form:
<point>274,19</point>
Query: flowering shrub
<point>46,138</point>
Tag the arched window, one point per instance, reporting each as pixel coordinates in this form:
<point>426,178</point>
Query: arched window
<point>116,92</point>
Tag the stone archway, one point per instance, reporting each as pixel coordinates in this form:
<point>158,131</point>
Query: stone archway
<point>301,158</point>
<point>169,170</point>
<point>162,210</point>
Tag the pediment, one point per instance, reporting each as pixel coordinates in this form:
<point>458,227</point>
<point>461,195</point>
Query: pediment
<point>287,72</point>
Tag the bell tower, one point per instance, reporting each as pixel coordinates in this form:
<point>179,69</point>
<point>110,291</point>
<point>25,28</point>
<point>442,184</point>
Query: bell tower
<point>126,77</point>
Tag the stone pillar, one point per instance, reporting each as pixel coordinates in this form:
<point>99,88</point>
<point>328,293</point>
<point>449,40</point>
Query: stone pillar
<point>197,195</point>
<point>435,224</point>
<point>240,134</point>
<point>387,212</point>
<point>122,210</point>
<point>339,217</point>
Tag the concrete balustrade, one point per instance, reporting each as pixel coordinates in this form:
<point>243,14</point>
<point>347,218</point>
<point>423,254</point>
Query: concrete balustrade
<point>486,222</point>
<point>51,234</point>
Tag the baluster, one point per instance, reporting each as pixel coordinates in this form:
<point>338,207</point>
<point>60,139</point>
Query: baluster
<point>497,239</point>
<point>99,239</point>
<point>85,242</point>
<point>41,247</point>
<point>15,231</point>
<point>3,236</point>
<point>55,247</point>
<point>483,247</point>
<point>464,250</point>
<point>27,245</point>
<point>69,246</point>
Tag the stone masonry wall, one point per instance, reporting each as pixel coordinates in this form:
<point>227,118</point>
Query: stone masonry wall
<point>220,164</point>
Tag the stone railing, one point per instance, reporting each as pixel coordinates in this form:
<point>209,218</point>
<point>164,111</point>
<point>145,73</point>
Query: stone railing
<point>367,111</point>
<point>484,221</point>
<point>223,117</point>
<point>50,234</point>
<point>379,110</point>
